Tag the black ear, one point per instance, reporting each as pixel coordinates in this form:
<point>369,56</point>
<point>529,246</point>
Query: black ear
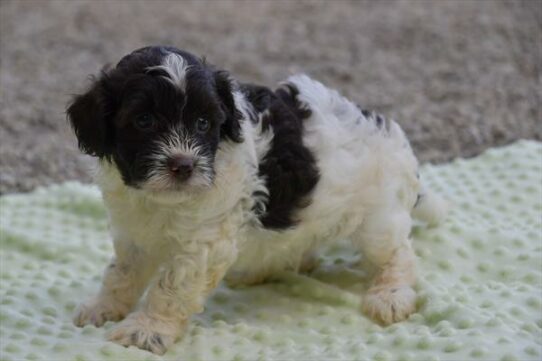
<point>231,128</point>
<point>88,114</point>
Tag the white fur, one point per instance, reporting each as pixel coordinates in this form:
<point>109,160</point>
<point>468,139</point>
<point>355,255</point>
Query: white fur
<point>176,142</point>
<point>189,240</point>
<point>363,169</point>
<point>176,68</point>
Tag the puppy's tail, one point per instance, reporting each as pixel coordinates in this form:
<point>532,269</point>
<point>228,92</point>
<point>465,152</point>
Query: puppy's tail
<point>430,207</point>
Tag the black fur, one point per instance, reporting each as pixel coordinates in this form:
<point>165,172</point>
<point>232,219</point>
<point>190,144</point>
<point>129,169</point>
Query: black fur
<point>379,120</point>
<point>289,168</point>
<point>91,112</point>
<point>232,126</point>
<point>103,117</point>
<point>259,96</point>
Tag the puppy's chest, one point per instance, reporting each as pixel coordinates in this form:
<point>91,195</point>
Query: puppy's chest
<point>151,225</point>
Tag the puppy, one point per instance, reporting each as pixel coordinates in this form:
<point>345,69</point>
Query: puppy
<point>205,178</point>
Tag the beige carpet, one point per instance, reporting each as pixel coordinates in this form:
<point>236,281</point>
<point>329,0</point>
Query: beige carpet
<point>460,76</point>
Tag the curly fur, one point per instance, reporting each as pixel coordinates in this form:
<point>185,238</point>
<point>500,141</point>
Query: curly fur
<point>302,167</point>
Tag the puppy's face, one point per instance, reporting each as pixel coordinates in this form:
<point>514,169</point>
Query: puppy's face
<point>159,116</point>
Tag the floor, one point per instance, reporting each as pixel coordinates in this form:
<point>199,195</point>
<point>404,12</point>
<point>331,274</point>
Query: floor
<point>460,76</point>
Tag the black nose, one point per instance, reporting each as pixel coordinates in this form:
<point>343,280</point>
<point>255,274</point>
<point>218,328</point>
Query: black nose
<point>181,165</point>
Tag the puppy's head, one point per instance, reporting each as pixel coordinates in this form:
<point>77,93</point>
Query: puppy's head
<point>159,117</point>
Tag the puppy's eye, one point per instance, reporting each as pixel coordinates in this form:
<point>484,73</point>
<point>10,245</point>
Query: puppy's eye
<point>203,125</point>
<point>144,122</point>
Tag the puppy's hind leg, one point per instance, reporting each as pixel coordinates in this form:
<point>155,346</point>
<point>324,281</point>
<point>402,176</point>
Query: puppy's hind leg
<point>383,238</point>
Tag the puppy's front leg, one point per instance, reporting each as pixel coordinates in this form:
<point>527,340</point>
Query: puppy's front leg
<point>124,280</point>
<point>177,293</point>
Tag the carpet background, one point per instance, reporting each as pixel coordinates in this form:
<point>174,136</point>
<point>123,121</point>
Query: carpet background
<point>460,76</point>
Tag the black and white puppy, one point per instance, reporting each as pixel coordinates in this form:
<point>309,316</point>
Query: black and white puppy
<point>205,178</point>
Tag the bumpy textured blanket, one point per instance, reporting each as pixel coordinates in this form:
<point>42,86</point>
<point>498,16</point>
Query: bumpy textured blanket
<point>480,281</point>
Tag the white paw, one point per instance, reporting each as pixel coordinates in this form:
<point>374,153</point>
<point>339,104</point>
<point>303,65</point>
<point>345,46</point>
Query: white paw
<point>99,310</point>
<point>147,333</point>
<point>389,304</point>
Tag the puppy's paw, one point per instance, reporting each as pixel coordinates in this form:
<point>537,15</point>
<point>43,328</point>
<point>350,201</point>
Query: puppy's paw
<point>99,310</point>
<point>147,333</point>
<point>389,304</point>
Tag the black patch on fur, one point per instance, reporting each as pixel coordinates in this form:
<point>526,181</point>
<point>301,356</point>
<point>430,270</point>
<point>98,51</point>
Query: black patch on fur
<point>232,125</point>
<point>259,96</point>
<point>365,113</point>
<point>418,199</point>
<point>289,168</point>
<point>89,114</point>
<point>379,121</point>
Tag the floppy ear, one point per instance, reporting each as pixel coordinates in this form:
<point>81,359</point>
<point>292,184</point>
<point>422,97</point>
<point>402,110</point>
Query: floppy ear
<point>231,128</point>
<point>88,114</point>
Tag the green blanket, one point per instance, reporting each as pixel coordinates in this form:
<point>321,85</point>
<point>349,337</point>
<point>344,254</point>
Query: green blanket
<point>480,281</point>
